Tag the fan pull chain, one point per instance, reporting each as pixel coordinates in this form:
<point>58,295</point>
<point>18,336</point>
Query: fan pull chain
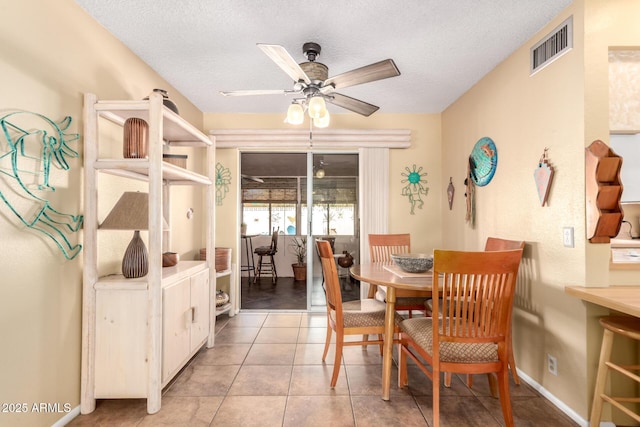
<point>310,133</point>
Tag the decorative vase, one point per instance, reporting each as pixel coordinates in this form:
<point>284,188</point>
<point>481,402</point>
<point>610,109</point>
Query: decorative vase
<point>135,138</point>
<point>169,259</point>
<point>346,260</point>
<point>135,262</point>
<point>166,101</point>
<point>221,298</point>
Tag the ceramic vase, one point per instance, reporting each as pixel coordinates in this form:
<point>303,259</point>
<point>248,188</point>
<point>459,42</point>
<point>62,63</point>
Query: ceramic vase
<point>136,138</point>
<point>135,262</point>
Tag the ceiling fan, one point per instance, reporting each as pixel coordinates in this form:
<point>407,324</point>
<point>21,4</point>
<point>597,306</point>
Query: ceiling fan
<point>311,79</point>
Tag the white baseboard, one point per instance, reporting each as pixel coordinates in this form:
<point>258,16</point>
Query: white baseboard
<point>67,418</point>
<point>559,403</point>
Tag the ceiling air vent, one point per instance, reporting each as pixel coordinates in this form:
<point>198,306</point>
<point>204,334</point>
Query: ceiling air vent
<point>552,46</point>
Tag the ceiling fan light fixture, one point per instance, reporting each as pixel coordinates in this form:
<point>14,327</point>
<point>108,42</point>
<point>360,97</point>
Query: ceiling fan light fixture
<point>320,173</point>
<point>295,114</point>
<point>322,122</point>
<point>317,108</point>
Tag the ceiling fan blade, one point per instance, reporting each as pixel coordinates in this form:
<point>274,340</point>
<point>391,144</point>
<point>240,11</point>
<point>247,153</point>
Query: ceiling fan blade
<point>281,57</point>
<point>368,73</point>
<point>253,178</point>
<point>256,92</point>
<point>352,104</point>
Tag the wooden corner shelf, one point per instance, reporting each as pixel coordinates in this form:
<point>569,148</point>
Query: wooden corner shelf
<point>603,191</point>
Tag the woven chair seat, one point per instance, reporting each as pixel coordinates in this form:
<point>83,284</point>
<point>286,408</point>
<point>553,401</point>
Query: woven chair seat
<point>366,312</point>
<point>412,301</point>
<point>420,329</point>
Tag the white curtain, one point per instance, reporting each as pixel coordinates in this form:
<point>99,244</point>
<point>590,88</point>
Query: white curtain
<point>374,199</point>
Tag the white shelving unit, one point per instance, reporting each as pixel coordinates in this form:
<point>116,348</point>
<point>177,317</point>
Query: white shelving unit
<point>138,333</point>
<point>228,307</point>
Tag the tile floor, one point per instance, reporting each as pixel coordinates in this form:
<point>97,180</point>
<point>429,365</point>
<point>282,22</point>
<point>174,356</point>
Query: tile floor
<point>266,370</point>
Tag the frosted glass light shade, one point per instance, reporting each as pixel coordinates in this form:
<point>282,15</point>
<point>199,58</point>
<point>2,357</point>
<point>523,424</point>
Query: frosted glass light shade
<point>295,114</point>
<point>317,107</point>
<point>322,122</point>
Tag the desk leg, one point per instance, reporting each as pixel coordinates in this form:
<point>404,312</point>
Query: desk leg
<point>387,351</point>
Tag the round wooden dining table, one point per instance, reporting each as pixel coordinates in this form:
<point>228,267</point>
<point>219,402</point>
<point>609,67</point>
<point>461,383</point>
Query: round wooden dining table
<point>390,276</point>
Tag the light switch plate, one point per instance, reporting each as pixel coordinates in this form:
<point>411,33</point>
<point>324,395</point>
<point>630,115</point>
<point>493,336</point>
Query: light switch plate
<point>567,237</point>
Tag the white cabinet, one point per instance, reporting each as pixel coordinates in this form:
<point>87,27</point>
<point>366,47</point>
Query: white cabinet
<point>185,320</point>
<point>138,333</point>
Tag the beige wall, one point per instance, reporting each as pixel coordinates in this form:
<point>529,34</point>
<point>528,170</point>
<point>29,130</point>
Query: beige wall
<point>50,54</point>
<point>563,107</point>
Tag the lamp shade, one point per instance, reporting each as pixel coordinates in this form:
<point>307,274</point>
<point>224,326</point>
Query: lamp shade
<point>131,212</point>
<point>322,122</point>
<point>317,107</point>
<point>295,114</point>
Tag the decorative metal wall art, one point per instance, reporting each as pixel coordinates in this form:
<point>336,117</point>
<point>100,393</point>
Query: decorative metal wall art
<point>26,157</point>
<point>543,176</point>
<point>414,187</point>
<point>223,179</point>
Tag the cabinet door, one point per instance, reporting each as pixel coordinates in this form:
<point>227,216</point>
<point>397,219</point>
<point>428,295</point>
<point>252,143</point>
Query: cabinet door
<point>176,325</point>
<point>200,303</point>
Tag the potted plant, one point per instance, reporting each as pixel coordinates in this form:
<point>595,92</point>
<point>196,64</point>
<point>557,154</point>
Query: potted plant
<point>299,248</point>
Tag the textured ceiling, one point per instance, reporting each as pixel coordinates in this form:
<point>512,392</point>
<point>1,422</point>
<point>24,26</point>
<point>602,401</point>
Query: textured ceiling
<point>441,47</point>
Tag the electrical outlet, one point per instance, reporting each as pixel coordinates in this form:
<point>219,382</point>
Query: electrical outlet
<point>567,237</point>
<point>552,364</point>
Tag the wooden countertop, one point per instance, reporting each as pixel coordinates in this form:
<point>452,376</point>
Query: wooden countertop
<point>625,299</point>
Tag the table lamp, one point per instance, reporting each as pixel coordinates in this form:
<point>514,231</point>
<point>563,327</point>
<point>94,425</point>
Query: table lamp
<point>131,212</point>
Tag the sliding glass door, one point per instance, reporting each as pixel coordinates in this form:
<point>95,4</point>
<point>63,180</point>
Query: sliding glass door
<point>332,193</point>
<point>306,195</point>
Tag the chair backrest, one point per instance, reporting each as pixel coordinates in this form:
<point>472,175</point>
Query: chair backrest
<point>331,280</point>
<point>274,240</point>
<point>478,290</point>
<point>497,244</point>
<point>381,246</point>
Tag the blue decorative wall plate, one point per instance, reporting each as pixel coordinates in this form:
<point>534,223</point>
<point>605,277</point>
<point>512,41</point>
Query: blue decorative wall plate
<point>483,161</point>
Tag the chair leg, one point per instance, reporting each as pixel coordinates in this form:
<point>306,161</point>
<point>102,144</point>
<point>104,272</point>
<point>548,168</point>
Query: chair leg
<point>447,379</point>
<point>512,362</point>
<point>436,397</point>
<point>601,377</point>
<point>327,341</point>
<point>494,383</point>
<point>274,273</point>
<point>505,399</point>
<point>337,360</point>
<point>402,367</point>
<point>365,338</point>
<point>258,273</point>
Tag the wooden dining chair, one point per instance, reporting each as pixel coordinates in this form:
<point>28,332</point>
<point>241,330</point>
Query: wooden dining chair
<point>498,244</point>
<point>472,335</point>
<point>381,246</point>
<point>357,317</point>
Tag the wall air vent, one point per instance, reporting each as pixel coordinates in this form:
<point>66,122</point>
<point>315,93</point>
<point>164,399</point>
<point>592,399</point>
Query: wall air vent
<point>552,46</point>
